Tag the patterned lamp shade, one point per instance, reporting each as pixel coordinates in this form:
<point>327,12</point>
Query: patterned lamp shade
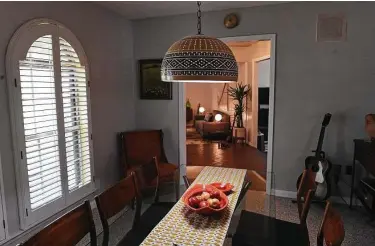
<point>199,59</point>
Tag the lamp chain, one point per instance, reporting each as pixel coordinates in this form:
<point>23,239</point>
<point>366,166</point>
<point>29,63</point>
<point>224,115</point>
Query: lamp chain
<point>199,25</point>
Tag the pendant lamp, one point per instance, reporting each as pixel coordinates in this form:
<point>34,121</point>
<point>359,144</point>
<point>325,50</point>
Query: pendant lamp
<point>199,59</point>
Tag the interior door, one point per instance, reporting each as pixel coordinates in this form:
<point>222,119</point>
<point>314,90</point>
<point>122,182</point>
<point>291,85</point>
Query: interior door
<point>260,81</point>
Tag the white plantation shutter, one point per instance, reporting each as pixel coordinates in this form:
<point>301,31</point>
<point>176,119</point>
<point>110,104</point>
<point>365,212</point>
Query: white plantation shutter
<point>73,77</point>
<point>40,123</point>
<point>49,95</point>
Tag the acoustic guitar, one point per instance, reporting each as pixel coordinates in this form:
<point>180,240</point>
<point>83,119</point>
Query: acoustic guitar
<point>319,164</point>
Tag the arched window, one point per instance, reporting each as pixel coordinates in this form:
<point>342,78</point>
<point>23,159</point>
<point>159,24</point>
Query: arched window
<point>48,85</point>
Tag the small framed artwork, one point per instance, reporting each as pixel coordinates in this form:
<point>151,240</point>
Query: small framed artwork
<point>151,85</point>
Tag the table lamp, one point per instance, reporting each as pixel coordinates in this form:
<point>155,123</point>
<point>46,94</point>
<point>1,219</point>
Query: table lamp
<point>218,117</point>
<point>201,110</point>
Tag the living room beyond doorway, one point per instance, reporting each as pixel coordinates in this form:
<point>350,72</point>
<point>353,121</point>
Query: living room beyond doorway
<point>214,135</point>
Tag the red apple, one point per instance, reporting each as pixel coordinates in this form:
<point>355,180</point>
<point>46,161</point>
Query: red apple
<point>203,204</point>
<point>215,194</point>
<point>194,202</point>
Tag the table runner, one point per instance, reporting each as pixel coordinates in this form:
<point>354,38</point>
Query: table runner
<point>183,227</point>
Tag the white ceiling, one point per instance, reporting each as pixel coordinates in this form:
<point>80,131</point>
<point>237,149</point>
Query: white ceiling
<point>146,9</point>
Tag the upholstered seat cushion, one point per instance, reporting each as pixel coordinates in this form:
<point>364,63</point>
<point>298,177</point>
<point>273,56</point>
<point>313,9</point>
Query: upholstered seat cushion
<point>166,171</point>
<point>259,230</point>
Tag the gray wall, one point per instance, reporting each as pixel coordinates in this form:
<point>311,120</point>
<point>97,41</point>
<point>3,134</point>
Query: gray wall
<point>108,42</point>
<point>311,78</point>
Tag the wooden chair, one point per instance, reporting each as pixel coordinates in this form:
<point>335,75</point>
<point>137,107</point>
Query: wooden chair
<point>332,228</point>
<point>114,200</point>
<point>260,230</point>
<point>147,177</point>
<point>138,147</point>
<point>186,181</point>
<point>244,189</point>
<point>67,230</point>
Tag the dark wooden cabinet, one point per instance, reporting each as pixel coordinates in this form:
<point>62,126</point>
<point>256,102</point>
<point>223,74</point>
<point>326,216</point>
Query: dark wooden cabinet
<point>189,114</point>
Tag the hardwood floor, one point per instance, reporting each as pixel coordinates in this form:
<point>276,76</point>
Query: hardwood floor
<point>236,156</point>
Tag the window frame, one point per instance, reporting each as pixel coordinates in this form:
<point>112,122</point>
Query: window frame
<point>4,233</point>
<point>17,50</point>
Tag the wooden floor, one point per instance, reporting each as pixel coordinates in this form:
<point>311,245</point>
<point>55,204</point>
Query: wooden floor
<point>236,156</point>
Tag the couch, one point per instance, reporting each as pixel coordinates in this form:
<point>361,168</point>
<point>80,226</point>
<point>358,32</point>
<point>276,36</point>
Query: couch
<point>214,129</point>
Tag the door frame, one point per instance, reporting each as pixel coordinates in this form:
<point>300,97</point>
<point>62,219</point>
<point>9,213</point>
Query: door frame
<point>270,187</point>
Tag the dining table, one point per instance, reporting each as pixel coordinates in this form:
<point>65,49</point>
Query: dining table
<point>183,227</point>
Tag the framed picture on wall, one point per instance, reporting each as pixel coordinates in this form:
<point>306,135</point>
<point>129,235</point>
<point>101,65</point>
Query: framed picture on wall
<point>151,85</point>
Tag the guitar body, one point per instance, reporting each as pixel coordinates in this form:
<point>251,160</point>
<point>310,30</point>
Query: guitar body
<point>321,166</point>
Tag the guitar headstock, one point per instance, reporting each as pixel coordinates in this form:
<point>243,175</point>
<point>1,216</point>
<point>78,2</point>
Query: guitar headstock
<point>326,120</point>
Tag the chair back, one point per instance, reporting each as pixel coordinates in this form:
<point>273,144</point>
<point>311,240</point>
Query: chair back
<point>186,181</point>
<point>115,199</point>
<point>147,176</point>
<point>305,193</point>
<point>67,230</point>
<point>138,147</point>
<point>332,228</point>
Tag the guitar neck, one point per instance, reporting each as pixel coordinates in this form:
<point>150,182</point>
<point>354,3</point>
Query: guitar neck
<point>320,141</point>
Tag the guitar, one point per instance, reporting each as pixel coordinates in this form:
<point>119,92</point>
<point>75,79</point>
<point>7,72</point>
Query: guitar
<point>319,164</point>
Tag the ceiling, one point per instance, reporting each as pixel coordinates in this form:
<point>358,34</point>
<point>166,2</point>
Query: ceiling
<point>146,9</point>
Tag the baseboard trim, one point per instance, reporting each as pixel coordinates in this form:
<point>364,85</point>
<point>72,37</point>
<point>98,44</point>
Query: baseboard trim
<point>285,193</point>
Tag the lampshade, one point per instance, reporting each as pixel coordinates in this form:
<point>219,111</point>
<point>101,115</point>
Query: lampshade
<point>218,117</point>
<point>201,110</point>
<point>199,59</point>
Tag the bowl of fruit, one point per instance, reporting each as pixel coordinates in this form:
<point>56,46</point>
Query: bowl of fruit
<point>205,199</point>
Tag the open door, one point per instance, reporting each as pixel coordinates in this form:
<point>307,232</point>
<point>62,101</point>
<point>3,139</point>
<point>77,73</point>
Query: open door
<point>261,68</point>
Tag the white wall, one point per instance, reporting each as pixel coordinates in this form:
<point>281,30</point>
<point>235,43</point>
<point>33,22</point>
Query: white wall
<point>311,78</point>
<point>199,93</point>
<point>108,42</point>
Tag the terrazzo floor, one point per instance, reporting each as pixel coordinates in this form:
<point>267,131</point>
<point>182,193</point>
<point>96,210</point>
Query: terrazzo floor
<point>358,229</point>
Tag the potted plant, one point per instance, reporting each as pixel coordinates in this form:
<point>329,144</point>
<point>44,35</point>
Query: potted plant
<point>188,104</point>
<point>238,94</point>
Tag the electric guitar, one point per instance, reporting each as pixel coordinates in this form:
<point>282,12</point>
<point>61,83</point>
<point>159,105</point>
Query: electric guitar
<point>319,164</point>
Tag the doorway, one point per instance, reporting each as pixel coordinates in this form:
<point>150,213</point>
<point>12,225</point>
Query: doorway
<point>253,136</point>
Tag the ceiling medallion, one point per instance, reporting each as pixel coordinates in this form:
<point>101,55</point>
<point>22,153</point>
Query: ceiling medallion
<point>199,59</point>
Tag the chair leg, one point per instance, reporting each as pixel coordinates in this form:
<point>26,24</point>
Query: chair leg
<point>133,204</point>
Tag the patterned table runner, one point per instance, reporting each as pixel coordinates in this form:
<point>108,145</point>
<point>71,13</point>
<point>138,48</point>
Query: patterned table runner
<point>183,227</point>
